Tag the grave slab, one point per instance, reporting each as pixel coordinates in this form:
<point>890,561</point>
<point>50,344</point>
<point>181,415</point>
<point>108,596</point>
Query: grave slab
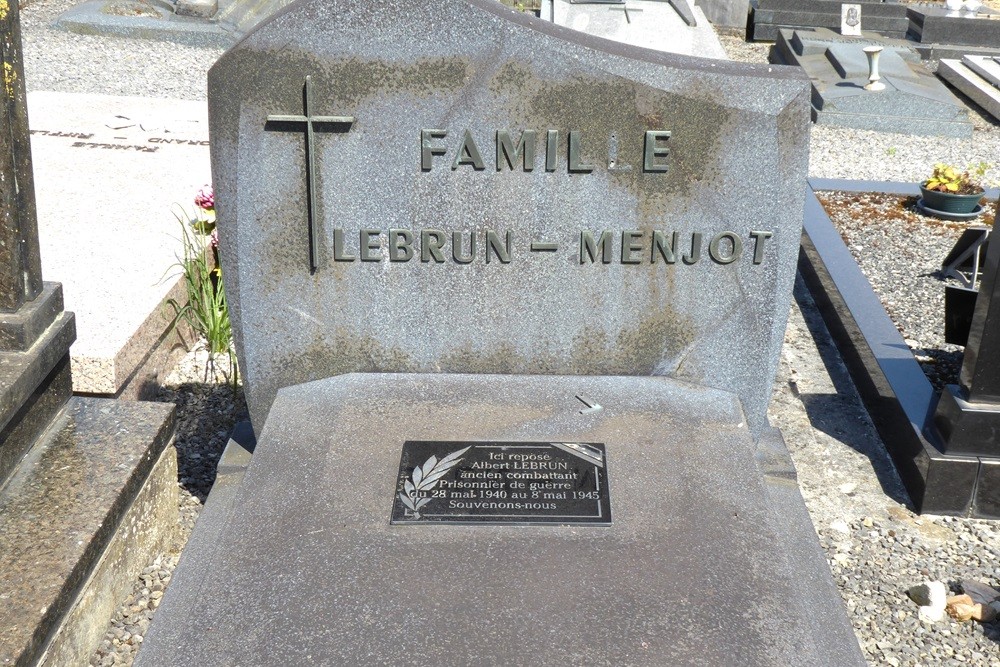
<point>692,569</point>
<point>203,23</point>
<point>913,101</point>
<point>350,248</point>
<point>107,171</point>
<point>978,77</point>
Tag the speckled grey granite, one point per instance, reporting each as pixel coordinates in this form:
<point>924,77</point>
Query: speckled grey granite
<point>62,506</point>
<point>738,154</point>
<point>307,569</point>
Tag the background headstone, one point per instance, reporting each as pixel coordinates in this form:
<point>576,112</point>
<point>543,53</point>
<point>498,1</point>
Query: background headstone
<point>731,171</point>
<point>935,24</point>
<point>769,17</point>
<point>675,27</point>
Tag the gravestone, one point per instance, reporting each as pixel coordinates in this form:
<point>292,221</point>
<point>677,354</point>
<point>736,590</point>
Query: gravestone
<point>202,23</point>
<point>976,76</point>
<point>547,224</point>
<point>675,26</point>
<point>936,24</point>
<point>726,13</point>
<point>769,17</point>
<point>87,486</point>
<point>465,248</point>
<point>913,101</point>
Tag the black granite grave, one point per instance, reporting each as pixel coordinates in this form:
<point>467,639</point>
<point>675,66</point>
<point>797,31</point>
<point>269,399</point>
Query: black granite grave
<point>968,416</point>
<point>897,394</point>
<point>769,17</point>
<point>935,24</point>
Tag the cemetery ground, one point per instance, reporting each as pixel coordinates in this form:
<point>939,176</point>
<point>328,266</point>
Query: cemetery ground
<point>876,546</point>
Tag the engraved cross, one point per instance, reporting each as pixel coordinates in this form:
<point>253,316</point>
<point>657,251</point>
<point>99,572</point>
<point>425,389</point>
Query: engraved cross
<point>625,8</point>
<point>312,124</point>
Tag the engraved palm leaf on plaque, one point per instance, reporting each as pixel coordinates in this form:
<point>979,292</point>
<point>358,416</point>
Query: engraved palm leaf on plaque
<point>425,478</point>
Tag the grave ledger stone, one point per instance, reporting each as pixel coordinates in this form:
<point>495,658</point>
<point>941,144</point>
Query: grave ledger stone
<point>522,217</point>
<point>530,204</point>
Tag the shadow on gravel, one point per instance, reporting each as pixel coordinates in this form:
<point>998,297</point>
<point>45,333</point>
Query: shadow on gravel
<point>206,414</point>
<point>833,414</point>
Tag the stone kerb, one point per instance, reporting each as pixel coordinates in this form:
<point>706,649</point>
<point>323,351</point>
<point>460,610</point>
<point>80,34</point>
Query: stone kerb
<point>633,213</point>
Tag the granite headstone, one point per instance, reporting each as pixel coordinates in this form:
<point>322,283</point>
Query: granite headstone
<point>675,27</point>
<point>526,216</point>
<point>478,191</point>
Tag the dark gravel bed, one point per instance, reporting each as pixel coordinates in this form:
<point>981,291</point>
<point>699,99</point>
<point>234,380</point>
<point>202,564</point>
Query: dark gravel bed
<point>900,252</point>
<point>208,407</point>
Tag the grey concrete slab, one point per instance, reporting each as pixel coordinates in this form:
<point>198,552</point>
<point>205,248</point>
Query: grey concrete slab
<point>974,76</point>
<point>108,249</point>
<point>551,301</point>
<point>914,101</point>
<point>307,569</point>
<point>987,67</point>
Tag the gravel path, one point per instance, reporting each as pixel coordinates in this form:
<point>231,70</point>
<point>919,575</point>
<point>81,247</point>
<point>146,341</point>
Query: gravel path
<point>876,546</point>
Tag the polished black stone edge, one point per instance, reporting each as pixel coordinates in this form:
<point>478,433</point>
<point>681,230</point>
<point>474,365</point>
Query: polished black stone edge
<point>892,386</point>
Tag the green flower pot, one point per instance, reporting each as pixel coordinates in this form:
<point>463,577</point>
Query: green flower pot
<point>948,202</point>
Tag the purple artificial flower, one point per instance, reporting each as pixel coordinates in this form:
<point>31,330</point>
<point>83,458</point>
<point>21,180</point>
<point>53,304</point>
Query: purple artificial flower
<point>213,240</point>
<point>205,198</point>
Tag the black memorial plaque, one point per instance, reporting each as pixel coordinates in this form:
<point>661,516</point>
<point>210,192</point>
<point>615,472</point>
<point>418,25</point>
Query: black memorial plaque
<point>502,483</point>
